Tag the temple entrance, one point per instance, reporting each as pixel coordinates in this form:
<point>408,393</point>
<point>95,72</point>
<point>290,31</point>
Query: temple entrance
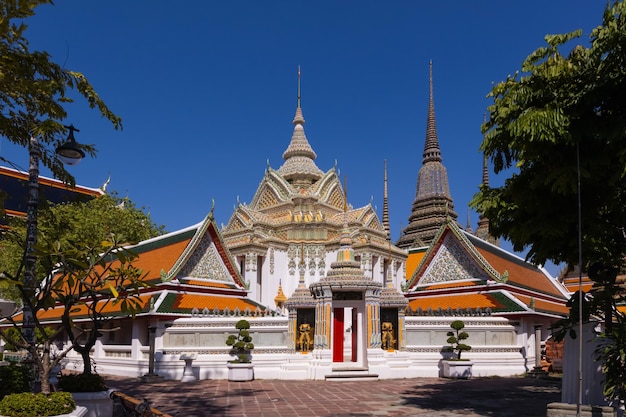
<point>345,334</point>
<point>338,338</point>
<point>348,344</point>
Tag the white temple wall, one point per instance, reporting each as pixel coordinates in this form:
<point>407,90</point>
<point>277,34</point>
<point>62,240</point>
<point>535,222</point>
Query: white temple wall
<point>496,349</point>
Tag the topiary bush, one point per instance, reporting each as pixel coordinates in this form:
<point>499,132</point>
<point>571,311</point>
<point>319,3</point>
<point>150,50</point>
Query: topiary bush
<point>82,383</point>
<point>456,338</point>
<point>241,343</point>
<point>27,404</point>
<point>14,378</point>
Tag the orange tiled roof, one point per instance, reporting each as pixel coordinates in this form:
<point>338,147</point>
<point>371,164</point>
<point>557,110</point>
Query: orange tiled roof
<point>572,284</point>
<point>78,312</point>
<point>462,301</point>
<point>544,305</point>
<point>412,262</point>
<point>160,255</point>
<point>187,302</point>
<point>520,273</point>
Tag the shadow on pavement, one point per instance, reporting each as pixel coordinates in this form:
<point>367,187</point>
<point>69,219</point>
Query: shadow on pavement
<point>497,397</point>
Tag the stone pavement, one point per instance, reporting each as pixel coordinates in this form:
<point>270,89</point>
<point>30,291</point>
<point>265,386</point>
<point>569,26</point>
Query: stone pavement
<point>422,397</point>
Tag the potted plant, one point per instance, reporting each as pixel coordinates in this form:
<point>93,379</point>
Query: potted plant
<point>27,404</point>
<point>240,369</point>
<point>455,366</point>
<point>90,391</point>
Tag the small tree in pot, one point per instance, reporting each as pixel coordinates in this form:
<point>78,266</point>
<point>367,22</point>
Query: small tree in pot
<point>241,342</point>
<point>456,338</point>
<point>457,367</point>
<point>240,369</point>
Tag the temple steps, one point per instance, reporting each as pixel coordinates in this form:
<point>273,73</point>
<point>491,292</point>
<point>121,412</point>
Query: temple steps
<point>351,374</point>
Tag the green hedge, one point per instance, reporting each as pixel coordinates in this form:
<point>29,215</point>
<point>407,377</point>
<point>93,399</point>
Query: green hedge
<point>27,404</point>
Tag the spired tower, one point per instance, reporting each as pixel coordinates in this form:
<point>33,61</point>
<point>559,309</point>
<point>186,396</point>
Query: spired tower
<point>482,231</point>
<point>433,204</point>
<point>288,236</point>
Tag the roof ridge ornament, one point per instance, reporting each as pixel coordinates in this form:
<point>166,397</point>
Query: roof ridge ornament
<point>299,166</point>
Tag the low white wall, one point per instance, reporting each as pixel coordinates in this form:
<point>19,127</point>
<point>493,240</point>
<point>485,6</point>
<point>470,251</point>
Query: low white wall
<point>495,350</point>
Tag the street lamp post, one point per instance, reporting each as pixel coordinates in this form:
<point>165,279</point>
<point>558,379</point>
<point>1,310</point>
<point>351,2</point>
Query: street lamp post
<point>69,153</point>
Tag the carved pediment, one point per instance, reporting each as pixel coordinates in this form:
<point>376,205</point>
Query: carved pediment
<point>206,263</point>
<point>452,262</point>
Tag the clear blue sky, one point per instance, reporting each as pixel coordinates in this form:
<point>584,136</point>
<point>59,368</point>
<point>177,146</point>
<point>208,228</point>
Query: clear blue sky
<point>207,91</point>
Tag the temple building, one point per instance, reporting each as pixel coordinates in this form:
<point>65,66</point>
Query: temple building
<point>296,219</point>
<point>327,294</point>
<point>14,188</point>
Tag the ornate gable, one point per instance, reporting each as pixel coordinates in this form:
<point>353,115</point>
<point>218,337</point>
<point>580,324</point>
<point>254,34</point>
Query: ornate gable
<point>451,262</point>
<point>329,190</point>
<point>272,191</point>
<point>205,262</point>
<point>236,222</point>
<point>369,219</point>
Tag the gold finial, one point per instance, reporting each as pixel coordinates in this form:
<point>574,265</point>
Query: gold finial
<point>298,86</point>
<point>280,296</point>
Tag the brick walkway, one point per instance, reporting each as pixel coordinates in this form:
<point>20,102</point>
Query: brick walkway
<point>423,397</point>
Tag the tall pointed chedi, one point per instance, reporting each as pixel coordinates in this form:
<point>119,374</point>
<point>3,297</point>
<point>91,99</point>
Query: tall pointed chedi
<point>482,231</point>
<point>433,204</point>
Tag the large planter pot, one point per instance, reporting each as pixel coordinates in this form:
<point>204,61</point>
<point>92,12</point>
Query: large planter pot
<point>78,412</point>
<point>457,369</point>
<point>240,371</point>
<point>97,403</point>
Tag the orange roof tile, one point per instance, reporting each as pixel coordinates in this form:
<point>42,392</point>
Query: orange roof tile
<point>544,305</point>
<point>520,273</point>
<point>462,301</point>
<point>412,262</point>
<point>572,284</point>
<point>161,258</point>
<point>81,311</point>
<point>201,301</point>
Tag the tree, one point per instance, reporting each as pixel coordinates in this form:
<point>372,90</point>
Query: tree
<point>34,90</point>
<point>80,247</point>
<point>456,339</point>
<point>562,107</point>
<point>84,278</point>
<point>89,221</point>
<point>560,127</point>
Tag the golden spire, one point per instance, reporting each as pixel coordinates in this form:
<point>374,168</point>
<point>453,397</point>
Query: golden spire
<point>280,297</point>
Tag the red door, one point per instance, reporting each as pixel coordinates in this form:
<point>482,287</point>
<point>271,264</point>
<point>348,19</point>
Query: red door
<point>338,335</point>
<point>355,334</point>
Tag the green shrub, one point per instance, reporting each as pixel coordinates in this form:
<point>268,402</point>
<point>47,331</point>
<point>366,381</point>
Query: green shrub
<point>14,378</point>
<point>241,343</point>
<point>27,404</point>
<point>82,383</point>
<point>456,339</point>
